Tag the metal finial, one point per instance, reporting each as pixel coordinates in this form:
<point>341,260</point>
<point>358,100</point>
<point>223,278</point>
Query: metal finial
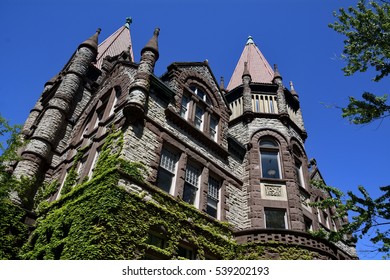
<point>156,31</point>
<point>250,40</point>
<point>222,83</point>
<point>291,85</point>
<point>98,30</point>
<point>129,20</point>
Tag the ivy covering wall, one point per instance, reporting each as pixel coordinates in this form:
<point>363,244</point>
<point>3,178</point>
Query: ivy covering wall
<point>100,219</point>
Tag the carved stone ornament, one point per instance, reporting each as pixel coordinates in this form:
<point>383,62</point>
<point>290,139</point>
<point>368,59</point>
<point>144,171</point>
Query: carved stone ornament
<point>273,190</point>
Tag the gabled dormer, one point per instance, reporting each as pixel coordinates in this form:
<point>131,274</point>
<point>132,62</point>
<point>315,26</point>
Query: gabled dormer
<point>199,105</point>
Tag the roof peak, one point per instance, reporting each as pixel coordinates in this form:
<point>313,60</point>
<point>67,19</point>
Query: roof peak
<point>257,65</point>
<point>116,43</point>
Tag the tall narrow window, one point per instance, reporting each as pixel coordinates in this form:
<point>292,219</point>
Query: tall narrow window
<point>93,164</point>
<point>167,170</point>
<point>299,174</point>
<point>191,184</point>
<point>118,93</point>
<point>269,155</point>
<point>326,219</point>
<point>275,218</point>
<point>213,197</point>
<point>184,107</point>
<point>213,128</point>
<point>199,117</point>
<point>308,224</point>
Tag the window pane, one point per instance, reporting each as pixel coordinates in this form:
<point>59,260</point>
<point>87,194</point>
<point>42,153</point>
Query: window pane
<point>198,117</point>
<point>189,193</point>
<point>268,143</point>
<point>168,160</point>
<point>213,188</point>
<point>192,175</point>
<point>211,207</point>
<point>164,180</point>
<point>213,197</point>
<point>184,106</point>
<point>270,164</point>
<point>213,128</point>
<point>156,241</point>
<point>275,218</point>
<point>185,253</point>
<point>166,171</point>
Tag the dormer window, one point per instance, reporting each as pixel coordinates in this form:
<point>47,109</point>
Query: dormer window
<point>196,107</point>
<point>200,93</point>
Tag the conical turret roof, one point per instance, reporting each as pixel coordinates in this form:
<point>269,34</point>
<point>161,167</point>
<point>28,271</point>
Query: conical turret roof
<point>258,67</point>
<point>116,43</point>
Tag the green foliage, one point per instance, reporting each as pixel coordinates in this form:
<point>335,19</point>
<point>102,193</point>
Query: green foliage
<point>369,216</point>
<point>367,28</point>
<point>273,250</point>
<point>13,231</point>
<point>100,219</point>
<point>45,191</point>
<point>365,111</point>
<point>72,175</point>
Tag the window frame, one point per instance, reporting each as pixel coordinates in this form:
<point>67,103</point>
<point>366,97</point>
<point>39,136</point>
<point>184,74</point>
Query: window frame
<point>270,150</point>
<point>171,172</point>
<point>189,184</point>
<point>197,108</point>
<point>215,197</point>
<point>270,209</point>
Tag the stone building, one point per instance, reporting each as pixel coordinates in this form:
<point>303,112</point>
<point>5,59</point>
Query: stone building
<point>226,166</point>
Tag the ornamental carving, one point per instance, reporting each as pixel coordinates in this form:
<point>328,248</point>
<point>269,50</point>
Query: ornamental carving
<point>273,190</point>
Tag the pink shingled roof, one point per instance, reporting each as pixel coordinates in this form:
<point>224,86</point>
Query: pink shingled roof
<point>116,43</point>
<point>258,66</point>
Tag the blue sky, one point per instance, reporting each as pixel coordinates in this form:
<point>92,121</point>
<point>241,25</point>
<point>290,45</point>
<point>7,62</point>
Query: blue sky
<point>38,37</point>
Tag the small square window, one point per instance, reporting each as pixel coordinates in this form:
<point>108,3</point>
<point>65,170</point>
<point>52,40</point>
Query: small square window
<point>186,253</point>
<point>156,240</point>
<point>275,218</point>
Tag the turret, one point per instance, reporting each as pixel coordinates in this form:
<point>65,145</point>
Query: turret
<point>134,109</point>
<point>38,152</point>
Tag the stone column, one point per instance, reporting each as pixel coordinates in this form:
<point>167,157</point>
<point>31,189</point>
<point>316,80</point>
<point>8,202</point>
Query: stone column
<point>247,95</point>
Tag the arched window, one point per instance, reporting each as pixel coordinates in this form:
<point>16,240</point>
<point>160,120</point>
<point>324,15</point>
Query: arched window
<point>270,159</point>
<point>196,107</point>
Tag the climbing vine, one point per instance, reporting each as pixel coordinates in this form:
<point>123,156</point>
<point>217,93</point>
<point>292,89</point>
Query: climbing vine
<point>105,218</point>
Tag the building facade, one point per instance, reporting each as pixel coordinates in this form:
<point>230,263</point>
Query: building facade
<point>226,167</point>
